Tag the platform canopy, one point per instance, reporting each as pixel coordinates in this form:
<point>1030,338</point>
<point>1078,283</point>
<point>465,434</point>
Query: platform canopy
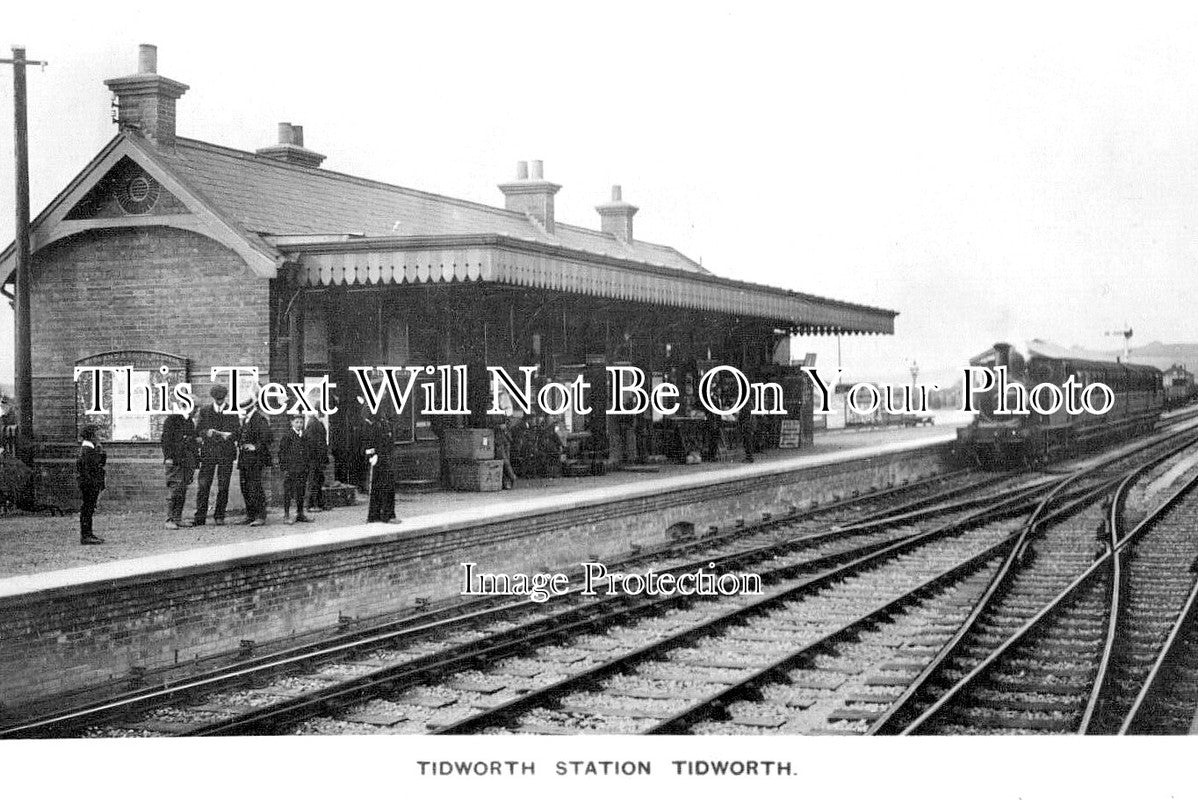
<point>515,262</point>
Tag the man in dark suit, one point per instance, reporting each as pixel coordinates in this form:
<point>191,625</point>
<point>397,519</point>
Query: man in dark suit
<point>179,456</point>
<point>256,438</point>
<point>217,430</point>
<point>316,451</point>
<point>90,466</point>
<point>379,445</point>
<point>503,452</point>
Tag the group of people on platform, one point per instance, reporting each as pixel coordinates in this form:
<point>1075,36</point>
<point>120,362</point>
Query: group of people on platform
<point>204,447</point>
<point>215,438</point>
<point>208,443</point>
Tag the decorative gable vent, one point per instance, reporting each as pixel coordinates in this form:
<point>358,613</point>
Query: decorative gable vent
<point>138,194</point>
<point>128,189</point>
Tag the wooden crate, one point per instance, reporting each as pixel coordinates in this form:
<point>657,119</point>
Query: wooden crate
<point>577,469</point>
<point>468,444</point>
<point>476,476</point>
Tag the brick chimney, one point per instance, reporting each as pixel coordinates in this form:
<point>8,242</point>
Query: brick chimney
<point>146,100</point>
<point>531,194</point>
<point>616,216</point>
<point>291,147</point>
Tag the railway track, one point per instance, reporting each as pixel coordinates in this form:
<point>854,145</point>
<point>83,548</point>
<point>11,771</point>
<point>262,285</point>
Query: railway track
<point>1168,701</point>
<point>740,681</point>
<point>700,663</point>
<point>425,634</point>
<point>1062,642</point>
<point>559,675</point>
<point>437,671</point>
<point>1143,686</point>
<point>285,701</point>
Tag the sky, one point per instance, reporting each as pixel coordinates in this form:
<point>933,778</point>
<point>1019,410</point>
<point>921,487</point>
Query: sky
<point>1006,173</point>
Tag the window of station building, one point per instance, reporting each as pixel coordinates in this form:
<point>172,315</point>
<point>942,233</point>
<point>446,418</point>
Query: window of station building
<point>413,424</point>
<point>423,430</point>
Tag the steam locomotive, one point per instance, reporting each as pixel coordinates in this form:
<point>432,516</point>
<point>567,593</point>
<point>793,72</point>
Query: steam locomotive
<point>1002,441</point>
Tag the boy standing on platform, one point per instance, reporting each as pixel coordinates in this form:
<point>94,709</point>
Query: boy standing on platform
<point>293,461</point>
<point>90,466</point>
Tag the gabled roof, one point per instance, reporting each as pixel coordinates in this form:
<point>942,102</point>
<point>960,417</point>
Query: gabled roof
<point>204,216</point>
<point>276,198</point>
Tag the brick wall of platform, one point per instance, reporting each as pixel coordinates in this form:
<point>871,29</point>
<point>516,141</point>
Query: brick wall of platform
<point>70,638</point>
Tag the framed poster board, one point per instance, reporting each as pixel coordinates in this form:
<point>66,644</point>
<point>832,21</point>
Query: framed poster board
<point>791,434</point>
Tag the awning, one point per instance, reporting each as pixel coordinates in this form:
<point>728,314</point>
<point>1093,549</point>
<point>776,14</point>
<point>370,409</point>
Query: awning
<point>520,263</point>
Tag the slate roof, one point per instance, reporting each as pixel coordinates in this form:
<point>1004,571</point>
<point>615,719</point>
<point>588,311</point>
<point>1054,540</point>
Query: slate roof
<point>271,197</point>
<point>270,207</point>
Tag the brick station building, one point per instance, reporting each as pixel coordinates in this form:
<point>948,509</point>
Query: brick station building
<point>174,255</point>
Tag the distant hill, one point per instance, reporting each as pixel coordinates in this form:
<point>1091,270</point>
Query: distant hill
<point>1162,356</point>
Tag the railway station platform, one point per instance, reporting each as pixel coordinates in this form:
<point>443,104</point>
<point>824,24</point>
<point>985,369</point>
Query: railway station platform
<point>149,600</point>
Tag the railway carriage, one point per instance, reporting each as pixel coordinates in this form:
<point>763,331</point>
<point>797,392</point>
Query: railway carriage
<point>1001,441</point>
<point>1179,386</point>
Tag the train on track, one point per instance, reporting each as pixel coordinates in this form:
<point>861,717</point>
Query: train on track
<point>1003,441</point>
<point>1180,388</point>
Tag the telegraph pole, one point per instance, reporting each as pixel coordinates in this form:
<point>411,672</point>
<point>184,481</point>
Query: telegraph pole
<point>23,357</point>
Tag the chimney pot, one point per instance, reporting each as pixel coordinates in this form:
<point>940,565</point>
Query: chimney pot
<point>290,148</point>
<point>146,100</point>
<point>616,216</point>
<point>531,194</point>
<point>147,59</point>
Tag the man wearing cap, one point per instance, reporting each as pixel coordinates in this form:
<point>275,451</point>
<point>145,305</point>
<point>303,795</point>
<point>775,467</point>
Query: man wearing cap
<point>217,428</point>
<point>256,438</point>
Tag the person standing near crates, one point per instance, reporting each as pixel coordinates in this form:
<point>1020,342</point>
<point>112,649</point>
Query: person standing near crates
<point>503,440</point>
<point>503,451</point>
